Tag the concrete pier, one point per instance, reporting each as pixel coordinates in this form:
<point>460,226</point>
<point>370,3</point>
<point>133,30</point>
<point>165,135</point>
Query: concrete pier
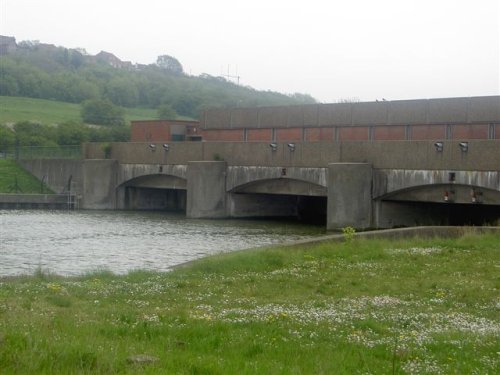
<point>349,195</point>
<point>206,189</point>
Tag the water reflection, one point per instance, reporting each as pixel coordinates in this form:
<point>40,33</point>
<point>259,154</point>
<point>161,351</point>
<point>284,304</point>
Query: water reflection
<point>75,242</point>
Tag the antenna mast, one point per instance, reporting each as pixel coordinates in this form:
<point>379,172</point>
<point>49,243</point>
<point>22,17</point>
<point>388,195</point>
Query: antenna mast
<point>237,77</point>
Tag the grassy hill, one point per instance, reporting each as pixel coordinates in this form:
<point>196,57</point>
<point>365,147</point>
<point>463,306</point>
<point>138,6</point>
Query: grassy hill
<point>47,112</point>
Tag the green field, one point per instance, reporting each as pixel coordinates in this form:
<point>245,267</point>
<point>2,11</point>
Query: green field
<point>421,306</point>
<point>48,112</point>
<point>16,180</point>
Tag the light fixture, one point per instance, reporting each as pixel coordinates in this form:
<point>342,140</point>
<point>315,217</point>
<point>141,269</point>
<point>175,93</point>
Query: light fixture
<point>166,147</point>
<point>464,146</point>
<point>291,146</point>
<point>273,146</point>
<point>476,196</point>
<point>152,147</point>
<point>439,146</point>
<point>449,196</point>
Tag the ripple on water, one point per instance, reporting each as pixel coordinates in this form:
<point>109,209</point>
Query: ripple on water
<point>75,242</point>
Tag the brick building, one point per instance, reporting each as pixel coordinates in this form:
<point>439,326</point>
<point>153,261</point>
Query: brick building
<point>164,131</point>
<point>428,119</point>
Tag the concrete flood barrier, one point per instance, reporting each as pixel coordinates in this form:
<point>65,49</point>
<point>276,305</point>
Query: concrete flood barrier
<point>375,184</point>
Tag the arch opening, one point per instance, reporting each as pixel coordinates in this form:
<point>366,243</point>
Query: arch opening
<point>152,199</point>
<point>439,204</point>
<point>280,198</point>
<point>303,208</point>
<point>154,193</point>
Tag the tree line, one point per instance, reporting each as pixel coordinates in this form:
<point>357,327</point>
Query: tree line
<point>70,76</point>
<point>32,134</point>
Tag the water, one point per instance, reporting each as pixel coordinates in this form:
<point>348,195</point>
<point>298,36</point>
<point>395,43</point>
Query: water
<point>76,242</point>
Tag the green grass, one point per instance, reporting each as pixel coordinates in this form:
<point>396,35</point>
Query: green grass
<point>17,109</point>
<point>48,112</point>
<point>14,179</point>
<point>362,307</point>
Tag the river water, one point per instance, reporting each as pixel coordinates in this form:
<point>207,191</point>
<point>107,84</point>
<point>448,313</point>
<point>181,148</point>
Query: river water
<point>72,243</point>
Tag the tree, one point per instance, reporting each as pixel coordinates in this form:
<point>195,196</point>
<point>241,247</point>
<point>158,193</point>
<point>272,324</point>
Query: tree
<point>165,111</point>
<point>187,104</point>
<point>76,58</point>
<point>102,112</point>
<point>303,98</point>
<point>34,134</point>
<point>122,92</point>
<point>170,64</point>
<point>7,138</point>
<point>71,133</point>
<point>48,72</point>
<point>8,86</point>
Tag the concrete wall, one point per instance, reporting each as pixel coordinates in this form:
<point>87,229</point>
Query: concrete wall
<point>400,112</point>
<point>57,173</point>
<point>128,172</point>
<point>480,156</point>
<point>142,153</point>
<point>388,181</point>
<point>297,181</point>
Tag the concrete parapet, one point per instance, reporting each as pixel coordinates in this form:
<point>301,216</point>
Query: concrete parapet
<point>145,153</point>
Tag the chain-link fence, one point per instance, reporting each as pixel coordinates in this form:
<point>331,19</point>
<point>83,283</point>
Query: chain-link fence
<point>39,152</point>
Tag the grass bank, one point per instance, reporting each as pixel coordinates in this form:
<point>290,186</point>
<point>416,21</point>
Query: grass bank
<point>15,179</point>
<point>421,306</point>
<point>48,112</point>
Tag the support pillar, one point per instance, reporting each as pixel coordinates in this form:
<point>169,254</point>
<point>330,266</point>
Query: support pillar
<point>99,184</point>
<point>206,189</point>
<point>349,195</point>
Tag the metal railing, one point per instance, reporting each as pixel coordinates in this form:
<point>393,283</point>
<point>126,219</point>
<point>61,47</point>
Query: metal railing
<point>41,152</point>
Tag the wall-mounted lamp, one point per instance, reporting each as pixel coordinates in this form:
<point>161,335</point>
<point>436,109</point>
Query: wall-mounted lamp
<point>476,196</point>
<point>152,147</point>
<point>439,146</point>
<point>464,146</point>
<point>449,196</point>
<point>166,147</point>
<point>291,146</point>
<point>273,146</point>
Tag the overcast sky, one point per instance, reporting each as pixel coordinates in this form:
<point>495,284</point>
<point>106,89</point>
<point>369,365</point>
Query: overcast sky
<point>332,50</point>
